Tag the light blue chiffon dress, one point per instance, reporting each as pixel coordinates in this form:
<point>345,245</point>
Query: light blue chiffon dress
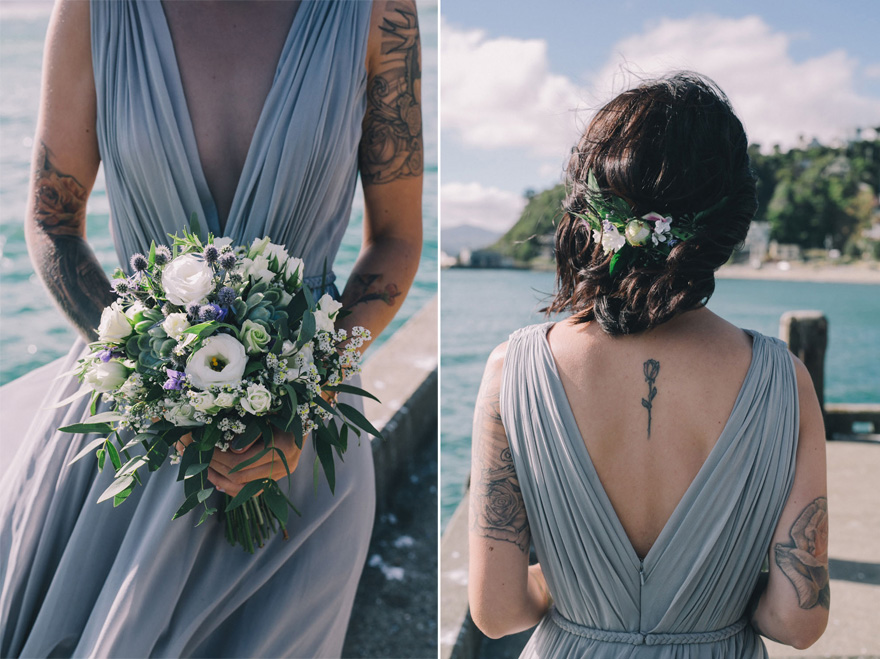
<point>84,579</point>
<point>686,599</point>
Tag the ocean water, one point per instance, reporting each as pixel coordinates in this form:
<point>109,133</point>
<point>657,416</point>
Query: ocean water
<point>480,308</point>
<point>32,330</point>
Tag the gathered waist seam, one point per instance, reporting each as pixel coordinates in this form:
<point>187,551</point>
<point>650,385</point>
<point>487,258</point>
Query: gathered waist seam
<point>637,638</point>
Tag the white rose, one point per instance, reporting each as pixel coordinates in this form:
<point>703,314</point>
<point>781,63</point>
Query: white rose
<point>294,268</point>
<point>257,269</point>
<point>258,246</point>
<point>203,401</point>
<point>220,360</point>
<point>258,400</point>
<point>225,399</point>
<point>187,279</point>
<point>175,324</point>
<point>255,337</point>
<point>326,313</point>
<point>180,415</point>
<point>106,377</point>
<point>114,324</point>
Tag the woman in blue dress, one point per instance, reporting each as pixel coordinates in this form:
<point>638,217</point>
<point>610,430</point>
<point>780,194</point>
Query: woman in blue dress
<point>258,117</point>
<point>652,452</point>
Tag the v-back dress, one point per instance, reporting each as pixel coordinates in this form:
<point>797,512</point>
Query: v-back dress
<point>687,598</point>
<point>85,579</point>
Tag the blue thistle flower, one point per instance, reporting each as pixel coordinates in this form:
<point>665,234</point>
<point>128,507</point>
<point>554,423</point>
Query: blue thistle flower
<point>210,254</point>
<point>120,286</point>
<point>209,312</point>
<point>138,262</point>
<point>226,296</point>
<point>227,260</point>
<point>163,255</point>
<point>192,311</point>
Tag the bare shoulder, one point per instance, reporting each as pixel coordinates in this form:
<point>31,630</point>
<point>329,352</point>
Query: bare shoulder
<point>496,357</point>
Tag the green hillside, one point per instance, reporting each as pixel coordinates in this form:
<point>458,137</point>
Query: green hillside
<point>539,218</point>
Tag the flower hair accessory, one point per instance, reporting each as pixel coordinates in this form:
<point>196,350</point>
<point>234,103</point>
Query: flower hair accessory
<point>628,238</point>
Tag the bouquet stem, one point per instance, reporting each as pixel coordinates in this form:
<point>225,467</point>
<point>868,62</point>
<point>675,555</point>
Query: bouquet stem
<point>251,524</point>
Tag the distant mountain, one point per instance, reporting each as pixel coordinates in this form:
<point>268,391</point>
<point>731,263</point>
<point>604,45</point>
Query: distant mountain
<point>453,240</point>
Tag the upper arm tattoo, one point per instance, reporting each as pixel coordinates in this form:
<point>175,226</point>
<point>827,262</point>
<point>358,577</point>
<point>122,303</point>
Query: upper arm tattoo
<point>61,255</point>
<point>366,288</point>
<point>497,508</point>
<point>391,145</point>
<point>805,560</point>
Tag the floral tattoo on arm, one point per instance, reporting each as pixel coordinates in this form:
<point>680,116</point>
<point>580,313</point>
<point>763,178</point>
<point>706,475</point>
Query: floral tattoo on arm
<point>652,370</point>
<point>497,508</point>
<point>61,255</point>
<point>391,145</point>
<point>367,287</point>
<point>804,561</point>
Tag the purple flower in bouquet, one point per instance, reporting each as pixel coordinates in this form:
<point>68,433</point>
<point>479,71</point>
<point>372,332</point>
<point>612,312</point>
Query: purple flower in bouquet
<point>175,379</point>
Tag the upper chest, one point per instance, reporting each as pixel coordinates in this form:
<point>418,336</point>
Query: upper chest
<point>227,54</point>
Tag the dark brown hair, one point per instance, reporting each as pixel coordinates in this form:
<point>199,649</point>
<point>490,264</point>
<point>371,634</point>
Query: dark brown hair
<point>673,146</point>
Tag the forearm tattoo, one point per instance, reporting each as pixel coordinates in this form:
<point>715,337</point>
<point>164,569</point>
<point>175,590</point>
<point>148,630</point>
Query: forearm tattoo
<point>652,370</point>
<point>391,145</point>
<point>804,561</point>
<point>497,508</point>
<point>61,255</point>
<point>367,287</point>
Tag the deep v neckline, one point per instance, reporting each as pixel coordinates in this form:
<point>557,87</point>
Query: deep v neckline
<point>211,215</point>
<point>673,522</point>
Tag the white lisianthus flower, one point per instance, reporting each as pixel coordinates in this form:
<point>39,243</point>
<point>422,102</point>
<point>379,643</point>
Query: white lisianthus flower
<point>114,325</point>
<point>106,376</point>
<point>257,269</point>
<point>287,348</point>
<point>661,227</point>
<point>258,246</point>
<point>175,324</point>
<point>180,415</point>
<point>257,399</point>
<point>220,360</point>
<point>187,279</point>
<point>225,399</point>
<point>203,401</point>
<point>254,337</point>
<point>325,315</point>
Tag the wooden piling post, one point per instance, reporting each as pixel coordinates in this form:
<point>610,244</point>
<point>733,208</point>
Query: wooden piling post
<point>806,333</point>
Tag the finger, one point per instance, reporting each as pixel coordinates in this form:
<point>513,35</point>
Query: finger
<point>266,468</point>
<point>223,484</point>
<point>242,450</point>
<point>226,460</point>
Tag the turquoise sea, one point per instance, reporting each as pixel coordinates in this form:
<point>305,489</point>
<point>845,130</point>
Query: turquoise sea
<point>480,308</point>
<point>32,330</point>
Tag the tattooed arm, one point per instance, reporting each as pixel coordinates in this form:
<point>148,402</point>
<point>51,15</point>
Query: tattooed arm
<point>505,594</point>
<point>65,163</point>
<point>390,161</point>
<point>793,608</point>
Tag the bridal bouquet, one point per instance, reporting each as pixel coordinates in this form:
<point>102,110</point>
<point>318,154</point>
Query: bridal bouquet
<point>218,344</point>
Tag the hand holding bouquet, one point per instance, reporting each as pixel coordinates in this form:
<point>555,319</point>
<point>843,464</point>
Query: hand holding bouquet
<point>218,344</point>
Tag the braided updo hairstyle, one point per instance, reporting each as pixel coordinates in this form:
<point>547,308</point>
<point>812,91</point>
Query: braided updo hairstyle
<point>673,146</point>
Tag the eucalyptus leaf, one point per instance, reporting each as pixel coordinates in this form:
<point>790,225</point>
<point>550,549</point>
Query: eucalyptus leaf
<point>87,428</point>
<point>247,463</point>
<point>358,419</point>
<point>349,389</point>
<point>196,469</point>
<point>191,502</point>
<point>114,456</point>
<point>88,448</point>
<point>325,455</point>
<point>247,492</point>
<point>85,389</point>
<point>116,487</point>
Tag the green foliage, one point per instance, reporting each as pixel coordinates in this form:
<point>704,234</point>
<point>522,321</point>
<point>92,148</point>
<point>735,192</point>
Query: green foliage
<point>540,217</point>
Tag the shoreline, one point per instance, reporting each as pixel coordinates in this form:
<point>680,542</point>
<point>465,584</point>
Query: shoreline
<point>811,272</point>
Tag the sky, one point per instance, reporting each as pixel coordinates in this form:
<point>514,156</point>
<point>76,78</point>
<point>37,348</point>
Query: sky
<point>520,80</point>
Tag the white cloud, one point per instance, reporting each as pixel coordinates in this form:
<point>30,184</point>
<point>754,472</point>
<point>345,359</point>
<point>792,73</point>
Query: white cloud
<point>778,99</point>
<point>501,93</point>
<point>474,204</point>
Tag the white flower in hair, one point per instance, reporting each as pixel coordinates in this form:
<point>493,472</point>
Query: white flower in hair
<point>611,238</point>
<point>661,227</point>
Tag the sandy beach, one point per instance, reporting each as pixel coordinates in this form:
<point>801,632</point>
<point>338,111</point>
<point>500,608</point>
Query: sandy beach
<point>854,273</point>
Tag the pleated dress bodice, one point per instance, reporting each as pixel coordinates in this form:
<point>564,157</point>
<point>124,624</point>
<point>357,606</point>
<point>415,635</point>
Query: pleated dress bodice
<point>687,597</point>
<point>300,172</point>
